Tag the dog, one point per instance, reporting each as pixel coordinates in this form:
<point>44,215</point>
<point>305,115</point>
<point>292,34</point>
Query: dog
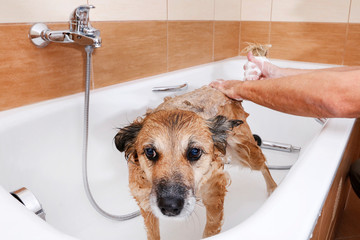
<point>176,155</point>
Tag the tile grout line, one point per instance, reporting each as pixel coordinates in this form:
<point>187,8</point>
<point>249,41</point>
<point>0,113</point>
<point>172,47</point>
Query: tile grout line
<point>167,35</point>
<point>92,77</point>
<point>239,45</point>
<point>346,34</point>
<point>213,35</point>
<point>271,13</point>
<point>213,43</point>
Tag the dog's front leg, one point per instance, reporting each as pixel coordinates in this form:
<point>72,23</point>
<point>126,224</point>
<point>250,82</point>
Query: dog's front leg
<point>140,188</point>
<point>213,195</point>
<point>151,225</point>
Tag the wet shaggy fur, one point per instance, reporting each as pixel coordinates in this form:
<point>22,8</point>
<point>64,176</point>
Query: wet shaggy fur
<point>176,156</point>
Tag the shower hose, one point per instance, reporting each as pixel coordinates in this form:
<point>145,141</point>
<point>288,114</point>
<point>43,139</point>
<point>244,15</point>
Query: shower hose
<point>89,50</point>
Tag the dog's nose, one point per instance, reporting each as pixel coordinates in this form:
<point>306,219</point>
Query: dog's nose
<point>171,206</point>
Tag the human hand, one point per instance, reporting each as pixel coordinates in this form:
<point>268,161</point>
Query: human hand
<point>259,67</point>
<point>229,88</point>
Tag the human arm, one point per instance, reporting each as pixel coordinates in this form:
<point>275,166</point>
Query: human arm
<point>313,94</point>
<point>260,68</point>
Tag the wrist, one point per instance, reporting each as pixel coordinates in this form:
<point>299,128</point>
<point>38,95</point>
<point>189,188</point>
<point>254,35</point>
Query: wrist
<point>276,72</point>
<point>240,90</point>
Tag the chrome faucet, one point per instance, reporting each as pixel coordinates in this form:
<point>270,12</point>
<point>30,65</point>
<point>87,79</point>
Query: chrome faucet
<point>80,31</point>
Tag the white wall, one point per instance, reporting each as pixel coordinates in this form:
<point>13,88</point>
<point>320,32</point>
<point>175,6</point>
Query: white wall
<point>25,11</point>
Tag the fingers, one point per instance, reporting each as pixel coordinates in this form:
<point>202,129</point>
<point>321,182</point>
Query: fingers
<point>249,66</point>
<point>253,68</point>
<point>217,84</point>
<point>258,61</point>
<point>252,77</point>
<point>256,64</point>
<point>227,87</point>
<point>250,57</point>
<point>252,71</point>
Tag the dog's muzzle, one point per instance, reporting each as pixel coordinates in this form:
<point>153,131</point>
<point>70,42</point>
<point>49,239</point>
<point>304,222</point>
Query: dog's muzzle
<point>170,198</point>
<point>171,206</point>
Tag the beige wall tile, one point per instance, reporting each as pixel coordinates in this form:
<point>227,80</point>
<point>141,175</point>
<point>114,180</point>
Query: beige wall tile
<point>352,51</point>
<point>310,10</point>
<point>302,41</point>
<point>110,10</point>
<point>29,74</point>
<point>226,39</point>
<point>256,10</point>
<point>130,50</point>
<point>228,10</point>
<point>254,32</point>
<point>191,9</point>
<point>190,43</point>
<point>24,11</point>
<point>355,11</point>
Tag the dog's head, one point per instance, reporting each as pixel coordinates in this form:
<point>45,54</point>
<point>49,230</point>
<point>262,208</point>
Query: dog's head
<point>175,149</point>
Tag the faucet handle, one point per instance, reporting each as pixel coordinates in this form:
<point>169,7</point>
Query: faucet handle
<point>79,19</point>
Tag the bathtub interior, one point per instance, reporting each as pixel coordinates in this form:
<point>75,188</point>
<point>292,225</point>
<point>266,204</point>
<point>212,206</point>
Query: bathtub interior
<point>41,148</point>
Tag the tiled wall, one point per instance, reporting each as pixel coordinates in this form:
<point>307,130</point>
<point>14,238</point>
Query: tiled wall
<point>147,37</point>
<point>325,31</point>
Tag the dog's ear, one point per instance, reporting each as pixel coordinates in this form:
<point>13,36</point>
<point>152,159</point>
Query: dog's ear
<point>126,137</point>
<point>219,127</point>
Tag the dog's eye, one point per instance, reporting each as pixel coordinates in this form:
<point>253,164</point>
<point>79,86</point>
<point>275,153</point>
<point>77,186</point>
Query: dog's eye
<point>193,154</point>
<point>151,154</point>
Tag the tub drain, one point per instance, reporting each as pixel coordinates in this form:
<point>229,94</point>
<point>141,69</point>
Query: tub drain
<point>28,199</point>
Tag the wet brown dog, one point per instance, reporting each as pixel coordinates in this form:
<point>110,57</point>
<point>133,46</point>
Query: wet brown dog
<point>176,156</point>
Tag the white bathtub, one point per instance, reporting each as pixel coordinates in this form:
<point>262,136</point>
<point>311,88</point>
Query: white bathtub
<point>41,147</point>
